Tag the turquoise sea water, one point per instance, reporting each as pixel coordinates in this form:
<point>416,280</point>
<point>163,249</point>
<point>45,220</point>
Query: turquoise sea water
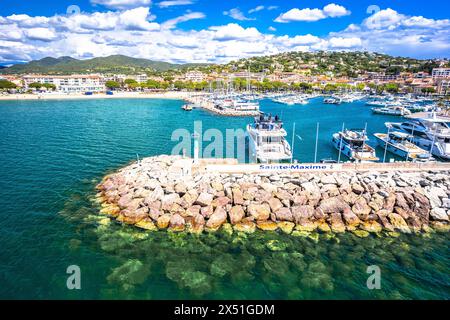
<point>54,152</point>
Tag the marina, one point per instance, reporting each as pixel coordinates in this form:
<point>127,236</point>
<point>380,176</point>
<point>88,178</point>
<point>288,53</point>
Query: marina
<point>73,140</point>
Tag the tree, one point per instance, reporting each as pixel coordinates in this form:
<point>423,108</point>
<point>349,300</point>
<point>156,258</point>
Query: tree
<point>391,87</point>
<point>38,85</point>
<point>5,84</point>
<point>130,81</point>
<point>112,84</point>
<point>428,90</point>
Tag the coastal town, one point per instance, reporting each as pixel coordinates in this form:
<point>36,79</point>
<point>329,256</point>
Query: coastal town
<point>320,74</point>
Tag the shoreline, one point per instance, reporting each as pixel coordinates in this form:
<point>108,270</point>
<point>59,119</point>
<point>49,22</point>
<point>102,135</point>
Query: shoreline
<point>176,95</point>
<point>175,194</point>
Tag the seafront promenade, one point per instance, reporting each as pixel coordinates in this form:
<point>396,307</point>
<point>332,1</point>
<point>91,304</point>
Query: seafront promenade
<point>117,95</point>
<point>180,194</point>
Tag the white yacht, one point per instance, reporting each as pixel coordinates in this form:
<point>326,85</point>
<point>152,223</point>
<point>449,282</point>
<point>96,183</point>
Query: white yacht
<point>392,111</point>
<point>267,140</point>
<point>352,144</point>
<point>429,132</point>
<point>332,100</point>
<point>399,143</point>
<point>245,105</point>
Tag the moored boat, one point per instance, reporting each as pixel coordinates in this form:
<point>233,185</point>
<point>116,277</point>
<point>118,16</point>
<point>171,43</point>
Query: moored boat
<point>352,144</point>
<point>429,132</point>
<point>399,144</point>
<point>267,140</point>
<point>187,107</point>
<point>392,111</point>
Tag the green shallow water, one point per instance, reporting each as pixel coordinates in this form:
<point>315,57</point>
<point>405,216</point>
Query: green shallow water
<point>54,152</point>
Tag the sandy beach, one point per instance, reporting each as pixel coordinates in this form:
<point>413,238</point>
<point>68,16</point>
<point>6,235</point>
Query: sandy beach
<point>116,95</point>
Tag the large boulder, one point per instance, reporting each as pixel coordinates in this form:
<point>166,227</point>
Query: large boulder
<point>238,198</point>
<point>306,225</point>
<point>169,200</point>
<point>398,222</point>
<point>439,214</point>
<point>220,202</point>
<point>163,221</point>
<point>332,205</point>
<point>328,179</point>
<point>193,211</point>
<point>350,218</point>
<point>371,226</point>
<point>125,200</point>
<point>218,218</point>
<point>267,225</point>
<point>284,214</point>
<point>245,226</point>
<point>236,214</point>
<point>204,199</point>
<point>336,223</point>
<point>275,204</point>
<point>156,194</point>
<point>197,224</point>
<point>259,211</point>
<point>302,212</point>
<point>361,208</point>
<point>357,188</point>
<point>176,223</point>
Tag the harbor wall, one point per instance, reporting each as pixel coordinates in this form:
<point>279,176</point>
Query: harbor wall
<point>175,193</point>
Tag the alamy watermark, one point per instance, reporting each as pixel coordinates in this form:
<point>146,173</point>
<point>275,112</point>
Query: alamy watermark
<point>211,143</point>
<point>374,280</point>
<point>74,280</point>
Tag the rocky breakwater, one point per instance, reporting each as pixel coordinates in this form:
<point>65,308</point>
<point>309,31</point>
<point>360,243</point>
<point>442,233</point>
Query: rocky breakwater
<point>162,193</point>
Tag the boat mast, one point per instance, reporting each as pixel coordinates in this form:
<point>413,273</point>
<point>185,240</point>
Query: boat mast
<point>364,137</point>
<point>432,144</point>
<point>340,142</point>
<point>293,143</point>
<point>386,142</point>
<point>317,139</point>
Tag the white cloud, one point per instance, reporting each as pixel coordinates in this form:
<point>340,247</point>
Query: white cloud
<point>122,4</point>
<point>172,3</point>
<point>172,23</point>
<point>236,14</point>
<point>301,15</point>
<point>333,10</point>
<point>272,28</point>
<point>233,31</point>
<point>329,11</point>
<point>136,33</point>
<point>256,9</point>
<point>345,43</point>
<point>41,34</point>
<point>383,18</point>
<point>425,22</point>
<point>394,33</point>
<point>137,19</point>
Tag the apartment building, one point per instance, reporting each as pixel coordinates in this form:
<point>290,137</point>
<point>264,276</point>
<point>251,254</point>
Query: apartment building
<point>69,84</point>
<point>440,73</point>
<point>194,76</point>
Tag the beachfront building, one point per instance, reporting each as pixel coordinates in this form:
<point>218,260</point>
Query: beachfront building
<point>443,87</point>
<point>194,76</point>
<point>288,77</point>
<point>440,73</point>
<point>257,76</point>
<point>14,79</point>
<point>69,84</point>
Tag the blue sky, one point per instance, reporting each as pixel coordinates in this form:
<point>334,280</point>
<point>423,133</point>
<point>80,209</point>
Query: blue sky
<point>219,31</point>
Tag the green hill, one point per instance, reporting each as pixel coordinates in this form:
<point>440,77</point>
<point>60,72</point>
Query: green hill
<point>110,64</point>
